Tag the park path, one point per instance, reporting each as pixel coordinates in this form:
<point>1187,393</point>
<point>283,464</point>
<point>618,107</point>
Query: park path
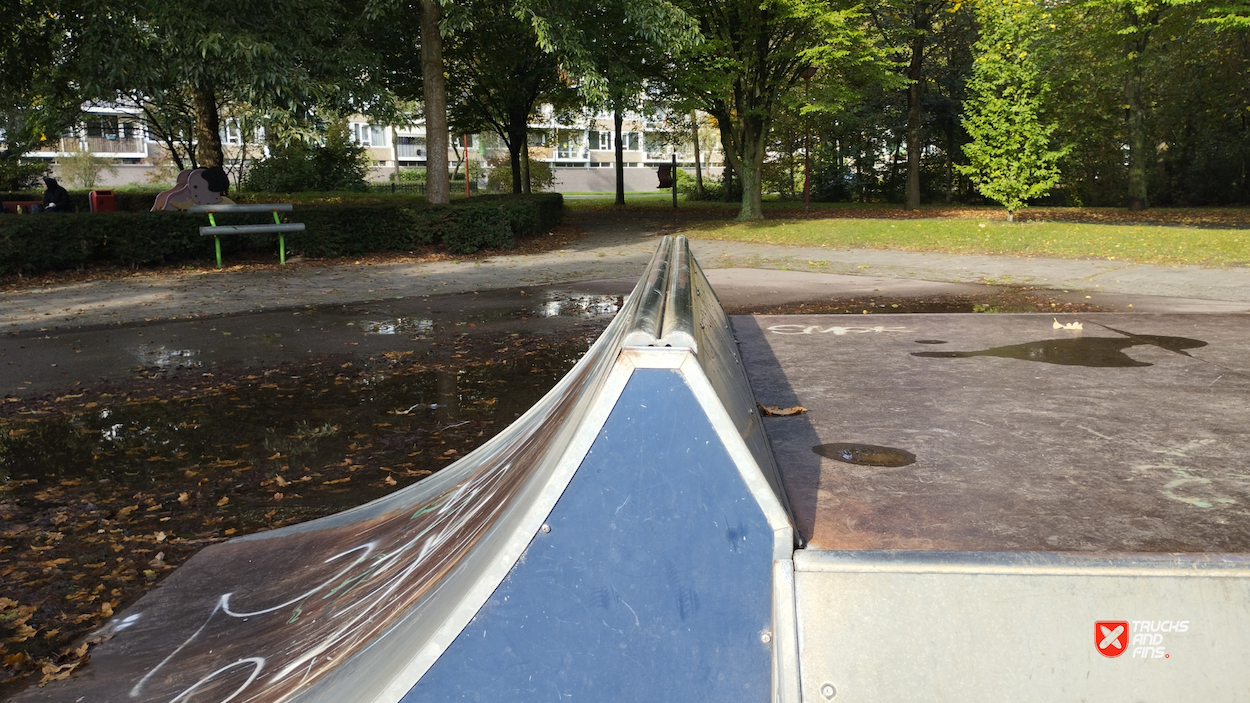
<point>616,247</point>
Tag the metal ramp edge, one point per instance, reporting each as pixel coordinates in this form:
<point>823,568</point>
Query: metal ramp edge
<point>359,605</point>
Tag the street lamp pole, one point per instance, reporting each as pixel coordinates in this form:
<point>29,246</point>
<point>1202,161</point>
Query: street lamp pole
<point>808,73</point>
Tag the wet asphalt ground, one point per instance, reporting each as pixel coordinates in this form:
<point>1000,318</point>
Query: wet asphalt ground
<point>55,336</point>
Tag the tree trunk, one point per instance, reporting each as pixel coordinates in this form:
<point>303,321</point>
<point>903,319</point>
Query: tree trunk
<point>207,128</point>
<point>618,121</point>
<point>437,184</point>
<point>527,183</point>
<point>914,74</point>
<point>515,142</point>
<point>750,168</point>
<point>1136,134</point>
<point>698,166</point>
<point>950,160</point>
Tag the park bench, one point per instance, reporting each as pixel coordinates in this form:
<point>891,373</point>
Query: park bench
<point>25,205</point>
<point>278,227</point>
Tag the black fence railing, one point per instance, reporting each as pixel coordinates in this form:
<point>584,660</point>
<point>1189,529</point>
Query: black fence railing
<point>417,188</point>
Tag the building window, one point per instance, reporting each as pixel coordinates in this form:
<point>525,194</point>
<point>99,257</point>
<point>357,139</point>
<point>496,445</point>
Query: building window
<point>410,147</point>
<point>537,139</point>
<point>631,141</point>
<point>230,133</point>
<point>600,141</point>
<point>570,147</point>
<point>368,135</point>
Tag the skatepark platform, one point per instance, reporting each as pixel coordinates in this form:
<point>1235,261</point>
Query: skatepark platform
<point>940,508</point>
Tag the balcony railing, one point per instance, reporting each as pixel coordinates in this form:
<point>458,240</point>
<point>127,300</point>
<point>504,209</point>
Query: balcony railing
<point>103,145</point>
<point>410,151</point>
<point>94,145</point>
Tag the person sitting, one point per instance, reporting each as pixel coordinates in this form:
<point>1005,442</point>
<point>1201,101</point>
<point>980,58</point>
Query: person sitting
<point>55,197</point>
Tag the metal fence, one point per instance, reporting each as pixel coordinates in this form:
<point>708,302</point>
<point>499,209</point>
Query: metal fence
<point>411,188</point>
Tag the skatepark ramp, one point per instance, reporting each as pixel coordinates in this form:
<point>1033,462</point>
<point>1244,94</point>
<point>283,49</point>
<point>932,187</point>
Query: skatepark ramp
<point>619,541</point>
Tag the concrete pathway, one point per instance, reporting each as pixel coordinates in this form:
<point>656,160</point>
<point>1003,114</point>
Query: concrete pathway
<point>618,248</point>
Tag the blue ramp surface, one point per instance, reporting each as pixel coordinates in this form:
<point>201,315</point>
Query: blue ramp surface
<point>652,583</point>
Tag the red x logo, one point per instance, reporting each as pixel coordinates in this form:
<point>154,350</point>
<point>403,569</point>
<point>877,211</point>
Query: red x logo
<point>1111,637</point>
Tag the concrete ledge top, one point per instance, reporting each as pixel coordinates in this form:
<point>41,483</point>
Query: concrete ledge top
<point>1002,433</point>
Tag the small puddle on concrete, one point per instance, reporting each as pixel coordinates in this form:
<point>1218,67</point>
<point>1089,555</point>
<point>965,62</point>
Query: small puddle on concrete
<point>399,325</point>
<point>1094,352</point>
<point>167,359</point>
<point>558,303</point>
<point>865,454</point>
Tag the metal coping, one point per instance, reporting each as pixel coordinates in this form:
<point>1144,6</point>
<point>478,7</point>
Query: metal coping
<point>1024,563</point>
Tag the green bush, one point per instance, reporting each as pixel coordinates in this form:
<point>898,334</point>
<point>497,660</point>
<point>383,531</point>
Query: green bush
<point>338,164</point>
<point>30,244</point>
<point>712,187</point>
<point>17,173</point>
<point>499,176</point>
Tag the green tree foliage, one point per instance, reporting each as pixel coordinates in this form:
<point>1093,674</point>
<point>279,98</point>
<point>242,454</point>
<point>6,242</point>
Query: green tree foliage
<point>753,54</point>
<point>278,56</point>
<point>336,164</point>
<point>83,169</point>
<point>498,75</point>
<point>1010,157</point>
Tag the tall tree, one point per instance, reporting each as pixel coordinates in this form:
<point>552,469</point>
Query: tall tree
<point>498,76</point>
<point>282,55</point>
<point>754,53</point>
<point>910,26</point>
<point>437,178</point>
<point>1010,157</point>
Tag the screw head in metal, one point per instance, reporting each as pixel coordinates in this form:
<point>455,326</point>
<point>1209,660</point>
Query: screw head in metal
<point>545,528</point>
<point>828,691</point>
<point>766,637</point>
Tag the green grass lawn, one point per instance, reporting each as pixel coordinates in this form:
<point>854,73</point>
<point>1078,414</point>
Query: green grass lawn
<point>970,235</point>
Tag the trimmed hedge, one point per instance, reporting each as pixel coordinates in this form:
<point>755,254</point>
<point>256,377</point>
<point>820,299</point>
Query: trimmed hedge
<point>30,244</point>
<point>126,200</point>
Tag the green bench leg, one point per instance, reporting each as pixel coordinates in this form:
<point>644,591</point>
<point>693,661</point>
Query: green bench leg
<point>281,241</point>
<point>217,243</point>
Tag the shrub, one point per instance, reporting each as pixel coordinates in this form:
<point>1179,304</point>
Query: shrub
<point>712,189</point>
<point>83,168</point>
<point>17,173</point>
<point>338,164</point>
<point>499,176</point>
<point>31,244</point>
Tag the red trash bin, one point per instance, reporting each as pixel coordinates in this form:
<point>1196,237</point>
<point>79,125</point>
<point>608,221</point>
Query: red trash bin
<point>103,201</point>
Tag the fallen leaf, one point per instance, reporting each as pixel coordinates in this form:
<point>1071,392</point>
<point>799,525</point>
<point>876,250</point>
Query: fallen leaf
<point>774,411</point>
<point>160,536</point>
<point>390,481</point>
<point>1069,326</point>
<point>223,501</point>
<point>337,480</point>
<point>106,609</point>
<point>126,511</point>
<point>277,496</point>
<point>184,498</point>
<point>282,482</point>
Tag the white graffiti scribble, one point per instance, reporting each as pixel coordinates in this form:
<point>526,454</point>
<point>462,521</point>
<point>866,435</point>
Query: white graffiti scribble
<point>835,329</point>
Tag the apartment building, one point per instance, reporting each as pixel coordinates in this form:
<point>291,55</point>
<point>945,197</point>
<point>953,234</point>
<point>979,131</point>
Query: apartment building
<point>582,157</point>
